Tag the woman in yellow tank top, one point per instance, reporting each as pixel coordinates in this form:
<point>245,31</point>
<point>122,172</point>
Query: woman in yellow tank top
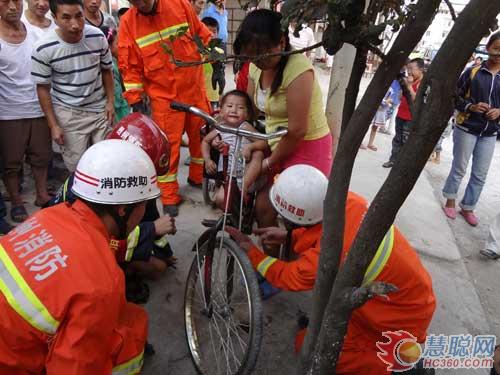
<point>286,89</point>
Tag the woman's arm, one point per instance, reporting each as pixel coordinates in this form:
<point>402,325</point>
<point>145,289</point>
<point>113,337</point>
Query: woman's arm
<point>298,97</point>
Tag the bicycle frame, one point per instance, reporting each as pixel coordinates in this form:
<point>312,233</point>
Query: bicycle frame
<point>215,227</point>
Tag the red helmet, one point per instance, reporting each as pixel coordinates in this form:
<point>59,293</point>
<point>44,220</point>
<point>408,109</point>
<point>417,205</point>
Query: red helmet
<point>143,132</point>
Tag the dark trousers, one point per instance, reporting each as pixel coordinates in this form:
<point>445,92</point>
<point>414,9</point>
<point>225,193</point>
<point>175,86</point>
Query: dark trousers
<point>400,138</point>
<point>3,209</point>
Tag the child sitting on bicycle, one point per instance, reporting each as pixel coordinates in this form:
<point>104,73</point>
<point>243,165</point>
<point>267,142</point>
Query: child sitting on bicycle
<point>236,111</point>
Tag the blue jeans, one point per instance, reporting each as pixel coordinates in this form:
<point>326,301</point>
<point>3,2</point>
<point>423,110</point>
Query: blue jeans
<point>481,149</point>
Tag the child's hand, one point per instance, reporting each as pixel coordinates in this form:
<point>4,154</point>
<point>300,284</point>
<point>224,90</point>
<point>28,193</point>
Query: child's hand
<point>210,167</point>
<point>218,144</point>
<point>246,151</point>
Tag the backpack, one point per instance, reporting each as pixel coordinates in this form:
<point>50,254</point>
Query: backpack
<point>463,116</point>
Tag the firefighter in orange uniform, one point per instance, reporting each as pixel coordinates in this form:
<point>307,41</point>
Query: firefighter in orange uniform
<point>148,70</point>
<point>62,293</point>
<point>298,196</point>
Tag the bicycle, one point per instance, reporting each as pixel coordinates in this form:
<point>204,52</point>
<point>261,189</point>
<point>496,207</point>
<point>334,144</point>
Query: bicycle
<point>223,313</point>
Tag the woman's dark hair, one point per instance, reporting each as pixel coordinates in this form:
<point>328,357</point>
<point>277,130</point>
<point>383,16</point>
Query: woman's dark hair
<point>54,3</point>
<point>493,39</point>
<point>109,33</point>
<point>261,29</point>
<point>244,95</point>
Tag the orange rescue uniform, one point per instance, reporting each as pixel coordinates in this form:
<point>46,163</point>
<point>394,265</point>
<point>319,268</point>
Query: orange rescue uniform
<point>410,308</point>
<point>62,299</point>
<point>147,68</point>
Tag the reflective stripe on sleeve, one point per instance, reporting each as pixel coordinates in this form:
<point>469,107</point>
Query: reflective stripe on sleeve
<point>22,299</point>
<point>380,259</point>
<point>264,265</point>
<point>131,367</point>
<point>159,35</point>
<point>162,241</point>
<point>132,241</point>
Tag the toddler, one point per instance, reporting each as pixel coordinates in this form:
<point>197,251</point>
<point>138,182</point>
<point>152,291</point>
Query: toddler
<point>236,110</point>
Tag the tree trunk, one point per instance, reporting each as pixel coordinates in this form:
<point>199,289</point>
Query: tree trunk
<point>334,207</point>
<point>339,79</point>
<point>433,107</point>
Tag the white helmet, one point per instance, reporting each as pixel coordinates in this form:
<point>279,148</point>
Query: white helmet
<point>298,194</point>
<point>115,172</point>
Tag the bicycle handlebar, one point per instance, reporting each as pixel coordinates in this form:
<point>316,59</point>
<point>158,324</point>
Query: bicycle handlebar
<point>225,129</point>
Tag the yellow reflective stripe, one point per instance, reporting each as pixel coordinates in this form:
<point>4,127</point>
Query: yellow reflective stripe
<point>168,178</point>
<point>131,367</point>
<point>65,189</point>
<point>132,241</point>
<point>264,265</point>
<point>132,86</point>
<point>197,160</point>
<point>380,259</point>
<point>22,299</point>
<point>162,242</point>
<point>157,36</point>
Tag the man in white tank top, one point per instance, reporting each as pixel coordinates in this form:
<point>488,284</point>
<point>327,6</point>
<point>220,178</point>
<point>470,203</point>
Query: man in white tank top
<point>24,133</point>
<point>35,17</point>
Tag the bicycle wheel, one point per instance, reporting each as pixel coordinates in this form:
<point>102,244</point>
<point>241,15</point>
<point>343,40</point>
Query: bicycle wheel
<point>225,334</point>
<point>209,187</point>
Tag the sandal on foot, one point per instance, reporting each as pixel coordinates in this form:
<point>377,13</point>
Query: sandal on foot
<point>450,212</point>
<point>373,148</point>
<point>18,214</point>
<point>470,218</point>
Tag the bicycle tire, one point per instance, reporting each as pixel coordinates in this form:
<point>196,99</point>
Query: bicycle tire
<point>196,315</point>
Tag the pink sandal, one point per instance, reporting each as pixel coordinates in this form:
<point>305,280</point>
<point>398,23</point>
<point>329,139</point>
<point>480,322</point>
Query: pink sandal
<point>450,212</point>
<point>470,218</point>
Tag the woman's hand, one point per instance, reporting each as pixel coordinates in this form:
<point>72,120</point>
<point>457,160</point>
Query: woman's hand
<point>479,107</point>
<point>246,151</point>
<point>493,114</point>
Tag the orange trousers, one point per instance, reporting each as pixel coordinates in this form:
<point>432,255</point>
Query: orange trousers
<point>174,123</point>
<point>358,356</point>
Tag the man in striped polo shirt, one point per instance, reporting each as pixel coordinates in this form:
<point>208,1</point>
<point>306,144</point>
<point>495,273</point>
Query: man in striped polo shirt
<point>72,68</point>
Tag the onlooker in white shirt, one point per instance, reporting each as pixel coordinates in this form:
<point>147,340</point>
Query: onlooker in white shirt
<point>24,134</point>
<point>304,40</point>
<point>36,18</point>
<point>72,67</point>
<point>95,17</point>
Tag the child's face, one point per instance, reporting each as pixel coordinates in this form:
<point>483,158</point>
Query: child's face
<point>213,30</point>
<point>114,47</point>
<point>234,110</point>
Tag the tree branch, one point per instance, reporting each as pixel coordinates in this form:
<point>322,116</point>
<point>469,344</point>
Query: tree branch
<point>184,64</point>
<point>433,107</point>
<point>317,355</point>
<point>452,10</point>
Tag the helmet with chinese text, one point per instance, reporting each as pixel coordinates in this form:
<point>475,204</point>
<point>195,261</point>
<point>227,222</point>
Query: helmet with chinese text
<point>140,130</point>
<point>298,194</point>
<point>115,172</point>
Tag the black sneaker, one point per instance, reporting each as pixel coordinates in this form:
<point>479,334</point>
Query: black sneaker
<point>5,227</point>
<point>388,164</point>
<point>490,254</point>
<point>171,209</point>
